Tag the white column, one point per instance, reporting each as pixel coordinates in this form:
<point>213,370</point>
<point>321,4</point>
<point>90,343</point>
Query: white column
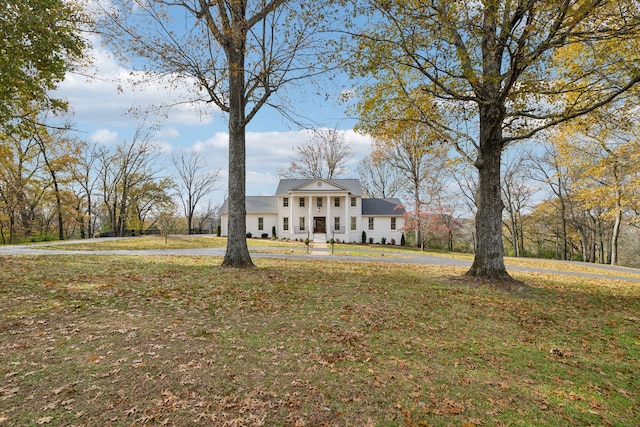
<point>329,224</point>
<point>347,217</point>
<point>310,227</point>
<point>292,221</point>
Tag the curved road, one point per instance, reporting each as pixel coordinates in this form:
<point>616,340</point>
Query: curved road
<point>320,252</point>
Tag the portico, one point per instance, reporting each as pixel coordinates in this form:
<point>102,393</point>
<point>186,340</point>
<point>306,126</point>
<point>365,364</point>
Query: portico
<point>320,208</point>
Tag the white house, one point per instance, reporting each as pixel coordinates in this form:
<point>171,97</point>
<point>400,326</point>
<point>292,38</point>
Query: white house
<point>321,209</point>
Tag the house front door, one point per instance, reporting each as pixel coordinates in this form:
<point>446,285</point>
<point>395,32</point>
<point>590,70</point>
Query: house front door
<point>319,224</point>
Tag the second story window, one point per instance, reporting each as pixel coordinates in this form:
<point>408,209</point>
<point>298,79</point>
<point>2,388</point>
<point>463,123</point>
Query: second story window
<point>353,202</point>
<point>319,202</point>
<point>285,202</point>
<point>302,202</point>
<point>336,202</point>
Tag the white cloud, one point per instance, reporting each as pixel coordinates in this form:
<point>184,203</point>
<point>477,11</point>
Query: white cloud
<point>268,152</point>
<point>168,133</point>
<point>218,141</point>
<point>359,143</point>
<point>108,94</point>
<point>163,147</point>
<point>104,136</point>
<point>262,183</point>
<point>163,137</point>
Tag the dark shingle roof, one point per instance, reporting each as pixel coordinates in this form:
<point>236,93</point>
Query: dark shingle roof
<point>384,207</point>
<point>256,204</point>
<point>351,185</point>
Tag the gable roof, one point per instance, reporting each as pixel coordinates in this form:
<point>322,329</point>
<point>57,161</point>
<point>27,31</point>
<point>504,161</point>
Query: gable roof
<point>382,207</point>
<point>351,185</point>
<point>255,204</point>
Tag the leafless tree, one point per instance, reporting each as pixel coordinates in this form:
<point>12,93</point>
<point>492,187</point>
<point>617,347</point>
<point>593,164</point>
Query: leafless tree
<point>517,192</point>
<point>85,181</point>
<point>323,156</point>
<point>421,164</point>
<point>546,167</point>
<point>124,170</point>
<point>379,178</point>
<point>208,217</point>
<point>194,182</point>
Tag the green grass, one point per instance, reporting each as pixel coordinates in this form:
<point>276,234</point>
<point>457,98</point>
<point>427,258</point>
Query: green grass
<point>159,242</point>
<point>286,247</point>
<point>146,340</point>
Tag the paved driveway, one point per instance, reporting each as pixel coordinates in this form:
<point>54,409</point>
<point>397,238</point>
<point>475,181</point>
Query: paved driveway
<point>607,271</point>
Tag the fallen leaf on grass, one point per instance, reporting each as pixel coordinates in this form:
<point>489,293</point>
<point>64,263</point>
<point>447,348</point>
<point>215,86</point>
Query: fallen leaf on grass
<point>138,363</point>
<point>50,405</point>
<point>44,420</point>
<point>449,407</point>
<point>106,374</point>
<point>8,392</point>
<point>622,391</point>
<point>131,411</point>
<point>561,353</point>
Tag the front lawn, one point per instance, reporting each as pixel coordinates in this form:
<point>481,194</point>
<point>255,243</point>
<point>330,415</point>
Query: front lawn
<point>150,340</point>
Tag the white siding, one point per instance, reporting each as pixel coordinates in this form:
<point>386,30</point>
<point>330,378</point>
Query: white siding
<point>382,228</point>
<point>269,220</point>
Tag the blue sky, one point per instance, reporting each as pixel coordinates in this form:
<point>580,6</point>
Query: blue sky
<point>100,107</point>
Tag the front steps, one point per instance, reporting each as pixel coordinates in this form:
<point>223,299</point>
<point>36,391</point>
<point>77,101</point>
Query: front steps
<point>319,238</point>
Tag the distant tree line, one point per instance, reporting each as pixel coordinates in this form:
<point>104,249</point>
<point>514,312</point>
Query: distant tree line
<point>55,187</point>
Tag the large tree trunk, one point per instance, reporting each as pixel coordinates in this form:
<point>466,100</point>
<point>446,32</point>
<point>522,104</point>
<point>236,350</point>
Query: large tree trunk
<point>488,262</point>
<point>237,254</point>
